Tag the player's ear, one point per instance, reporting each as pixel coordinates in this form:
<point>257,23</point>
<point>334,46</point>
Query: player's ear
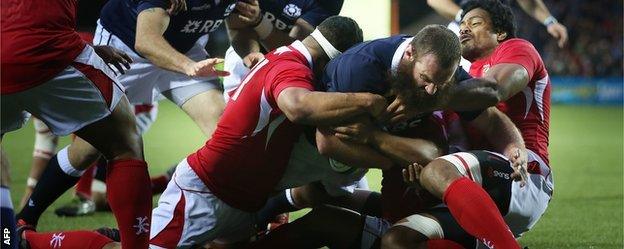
<point>500,36</point>
<point>409,53</point>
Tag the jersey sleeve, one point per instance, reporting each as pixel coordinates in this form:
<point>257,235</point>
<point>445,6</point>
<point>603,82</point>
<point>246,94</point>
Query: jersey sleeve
<point>148,4</point>
<point>461,74</point>
<point>290,74</point>
<point>321,10</point>
<point>355,73</point>
<point>520,52</point>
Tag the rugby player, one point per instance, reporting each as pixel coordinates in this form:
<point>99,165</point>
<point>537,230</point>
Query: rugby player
<point>50,72</point>
<point>168,56</point>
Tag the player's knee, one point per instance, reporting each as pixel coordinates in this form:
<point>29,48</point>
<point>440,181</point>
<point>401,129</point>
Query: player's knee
<point>309,195</point>
<point>437,175</point>
<point>399,237</point>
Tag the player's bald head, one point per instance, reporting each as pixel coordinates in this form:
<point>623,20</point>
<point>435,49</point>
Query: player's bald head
<point>342,32</point>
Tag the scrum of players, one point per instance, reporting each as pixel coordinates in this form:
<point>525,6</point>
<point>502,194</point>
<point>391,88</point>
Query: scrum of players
<point>306,108</point>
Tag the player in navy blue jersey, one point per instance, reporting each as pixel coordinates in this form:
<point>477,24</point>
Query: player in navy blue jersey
<point>419,71</point>
<point>280,23</point>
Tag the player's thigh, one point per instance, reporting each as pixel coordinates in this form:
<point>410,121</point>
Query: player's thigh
<point>529,202</point>
<point>490,170</point>
<point>439,223</point>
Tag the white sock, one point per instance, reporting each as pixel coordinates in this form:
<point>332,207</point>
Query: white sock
<point>63,160</point>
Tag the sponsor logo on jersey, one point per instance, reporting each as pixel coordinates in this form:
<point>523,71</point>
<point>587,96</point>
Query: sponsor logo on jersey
<point>292,11</point>
<point>201,26</point>
<point>277,23</point>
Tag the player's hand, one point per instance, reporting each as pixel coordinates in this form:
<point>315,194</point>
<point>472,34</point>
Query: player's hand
<point>360,131</point>
<point>376,105</point>
<point>399,110</point>
<point>248,12</point>
<point>114,57</point>
<point>176,7</point>
<point>559,32</point>
<point>411,174</point>
<point>518,158</point>
<point>252,59</point>
<point>206,68</point>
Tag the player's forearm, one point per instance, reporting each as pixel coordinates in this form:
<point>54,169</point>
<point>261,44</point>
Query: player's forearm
<point>301,29</point>
<point>445,8</point>
<point>323,108</point>
<point>405,151</point>
<point>244,40</point>
<point>150,43</point>
<point>535,8</point>
<point>499,130</point>
<point>352,154</point>
<point>472,94</point>
<point>160,53</point>
<point>276,39</point>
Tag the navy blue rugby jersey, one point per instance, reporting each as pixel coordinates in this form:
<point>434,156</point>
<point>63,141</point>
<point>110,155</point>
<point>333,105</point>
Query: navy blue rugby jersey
<point>366,67</point>
<point>284,13</point>
<point>202,17</point>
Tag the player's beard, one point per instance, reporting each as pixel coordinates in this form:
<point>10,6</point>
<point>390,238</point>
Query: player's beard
<point>405,86</point>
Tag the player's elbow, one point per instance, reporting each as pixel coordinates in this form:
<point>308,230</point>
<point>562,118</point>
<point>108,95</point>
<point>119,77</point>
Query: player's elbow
<point>297,115</point>
<point>431,3</point>
<point>141,46</point>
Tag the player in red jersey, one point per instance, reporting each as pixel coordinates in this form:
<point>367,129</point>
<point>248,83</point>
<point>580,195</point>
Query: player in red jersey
<point>50,72</point>
<point>488,41</point>
<point>232,176</point>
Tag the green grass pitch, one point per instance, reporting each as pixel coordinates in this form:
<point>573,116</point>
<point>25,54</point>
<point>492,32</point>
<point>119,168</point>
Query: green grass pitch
<point>586,155</point>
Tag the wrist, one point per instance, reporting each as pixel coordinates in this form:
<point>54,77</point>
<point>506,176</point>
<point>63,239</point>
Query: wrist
<point>371,103</point>
<point>550,20</point>
<point>187,67</point>
<point>375,138</point>
<point>264,28</point>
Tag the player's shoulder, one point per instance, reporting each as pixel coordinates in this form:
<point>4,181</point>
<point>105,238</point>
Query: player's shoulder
<point>517,45</point>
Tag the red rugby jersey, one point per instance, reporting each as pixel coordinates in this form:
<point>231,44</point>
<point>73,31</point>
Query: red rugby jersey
<point>249,151</point>
<point>38,41</point>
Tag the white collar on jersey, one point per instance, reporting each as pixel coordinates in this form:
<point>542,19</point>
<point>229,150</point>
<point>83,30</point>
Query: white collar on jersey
<point>298,45</point>
<point>398,54</point>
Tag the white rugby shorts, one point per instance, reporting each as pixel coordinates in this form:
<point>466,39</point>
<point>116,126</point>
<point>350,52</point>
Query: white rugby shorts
<point>82,94</point>
<point>144,81</point>
<point>188,215</point>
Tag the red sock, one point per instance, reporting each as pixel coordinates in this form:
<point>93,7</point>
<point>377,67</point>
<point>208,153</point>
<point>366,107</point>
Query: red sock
<point>159,184</point>
<point>66,239</point>
<point>443,244</point>
<point>130,198</point>
<point>475,212</point>
<point>83,187</point>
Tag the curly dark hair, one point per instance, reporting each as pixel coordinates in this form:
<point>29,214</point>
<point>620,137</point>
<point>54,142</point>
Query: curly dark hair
<point>501,15</point>
<point>342,32</point>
